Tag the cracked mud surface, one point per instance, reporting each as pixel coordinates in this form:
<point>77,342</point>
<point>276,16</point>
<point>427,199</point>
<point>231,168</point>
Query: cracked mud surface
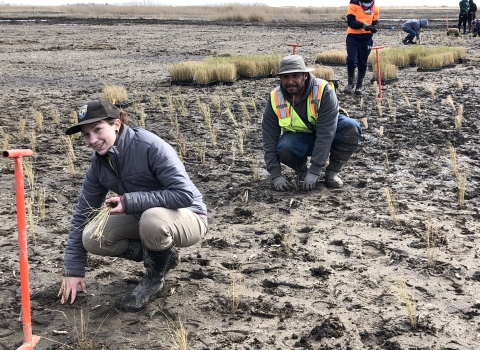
<point>335,287</point>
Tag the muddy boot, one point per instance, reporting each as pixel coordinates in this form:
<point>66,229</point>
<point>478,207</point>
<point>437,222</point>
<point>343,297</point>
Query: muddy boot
<point>405,41</point>
<point>332,180</point>
<point>358,88</point>
<point>351,78</point>
<point>174,260</point>
<point>134,251</point>
<point>156,263</point>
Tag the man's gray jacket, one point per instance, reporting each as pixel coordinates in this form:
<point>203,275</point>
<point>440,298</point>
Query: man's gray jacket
<point>325,128</point>
<point>146,171</point>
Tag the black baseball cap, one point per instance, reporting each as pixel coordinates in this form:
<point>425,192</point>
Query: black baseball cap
<point>92,112</point>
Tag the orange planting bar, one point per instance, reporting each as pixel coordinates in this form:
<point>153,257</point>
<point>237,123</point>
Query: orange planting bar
<point>379,78</point>
<point>29,341</point>
<point>294,47</point>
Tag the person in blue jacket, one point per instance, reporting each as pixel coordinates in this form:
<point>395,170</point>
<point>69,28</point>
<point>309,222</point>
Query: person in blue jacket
<point>413,27</point>
<point>156,207</point>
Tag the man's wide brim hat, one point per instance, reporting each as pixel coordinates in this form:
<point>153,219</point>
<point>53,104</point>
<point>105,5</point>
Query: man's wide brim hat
<point>92,112</point>
<point>293,64</point>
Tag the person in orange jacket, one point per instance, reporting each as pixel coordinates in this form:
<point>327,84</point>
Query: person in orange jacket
<point>362,18</point>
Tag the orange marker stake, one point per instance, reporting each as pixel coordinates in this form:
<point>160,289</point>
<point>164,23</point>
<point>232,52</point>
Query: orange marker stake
<point>379,78</point>
<point>294,48</point>
<point>29,340</point>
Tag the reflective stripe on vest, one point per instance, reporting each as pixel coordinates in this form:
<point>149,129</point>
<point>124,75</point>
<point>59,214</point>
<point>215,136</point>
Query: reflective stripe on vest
<point>288,117</point>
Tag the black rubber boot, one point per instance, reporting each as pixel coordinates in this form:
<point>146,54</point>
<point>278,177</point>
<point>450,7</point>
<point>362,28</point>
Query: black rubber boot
<point>351,78</point>
<point>134,251</point>
<point>157,264</point>
<point>358,88</point>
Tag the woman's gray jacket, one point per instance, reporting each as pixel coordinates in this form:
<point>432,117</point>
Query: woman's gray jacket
<point>146,171</point>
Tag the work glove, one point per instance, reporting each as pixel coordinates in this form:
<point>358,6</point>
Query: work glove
<point>369,28</point>
<point>281,184</point>
<point>309,182</point>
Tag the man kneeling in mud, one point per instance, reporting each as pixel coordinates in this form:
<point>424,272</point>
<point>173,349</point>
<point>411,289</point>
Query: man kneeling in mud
<point>306,109</point>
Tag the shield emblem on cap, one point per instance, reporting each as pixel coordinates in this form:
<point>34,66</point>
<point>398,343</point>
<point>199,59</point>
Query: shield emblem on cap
<point>82,112</point>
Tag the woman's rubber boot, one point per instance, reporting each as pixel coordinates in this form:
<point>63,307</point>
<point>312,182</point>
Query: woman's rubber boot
<point>157,264</point>
<point>351,78</point>
<point>358,88</point>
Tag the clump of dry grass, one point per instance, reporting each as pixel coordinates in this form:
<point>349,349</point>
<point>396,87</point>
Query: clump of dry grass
<point>387,162</point>
<point>459,117</point>
<point>449,101</point>
<point>333,56</point>
<point>405,97</point>
<point>453,31</point>
<point>364,122</point>
<point>115,94</point>
<point>288,237</point>
<point>177,335</point>
<point>236,290</point>
<point>410,304</point>
<point>380,131</point>
<point>432,88</point>
<point>201,150</point>
<point>38,116</point>
<point>391,205</point>
<point>55,114</point>
<point>453,158</point>
<point>323,72</point>
<point>21,128</point>
<point>419,109</point>
<point>460,84</point>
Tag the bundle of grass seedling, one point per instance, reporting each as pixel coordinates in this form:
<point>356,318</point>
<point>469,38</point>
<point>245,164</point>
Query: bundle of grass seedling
<point>115,94</point>
<point>388,71</point>
<point>332,57</point>
<point>430,62</point>
<point>453,31</point>
<point>322,72</point>
<point>98,220</point>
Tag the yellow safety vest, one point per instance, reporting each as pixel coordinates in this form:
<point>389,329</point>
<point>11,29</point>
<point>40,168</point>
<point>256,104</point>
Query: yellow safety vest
<point>288,118</point>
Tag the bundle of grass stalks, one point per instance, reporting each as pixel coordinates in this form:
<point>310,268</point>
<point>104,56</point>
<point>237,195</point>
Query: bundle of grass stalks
<point>204,74</point>
<point>226,72</point>
<point>115,94</point>
<point>97,221</point>
<point>453,31</point>
<point>388,71</point>
<point>256,65</point>
<point>447,59</point>
<point>322,72</point>
<point>183,71</point>
<point>333,56</point>
<point>430,61</point>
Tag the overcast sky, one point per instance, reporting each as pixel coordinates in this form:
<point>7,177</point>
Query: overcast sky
<point>303,3</point>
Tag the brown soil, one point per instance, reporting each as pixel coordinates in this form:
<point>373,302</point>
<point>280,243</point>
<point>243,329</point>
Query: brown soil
<point>336,287</point>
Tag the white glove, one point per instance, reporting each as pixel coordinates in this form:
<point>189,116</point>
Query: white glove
<point>309,182</point>
<point>281,184</point>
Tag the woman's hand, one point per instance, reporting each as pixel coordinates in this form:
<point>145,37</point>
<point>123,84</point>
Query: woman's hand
<point>69,288</point>
<point>116,204</point>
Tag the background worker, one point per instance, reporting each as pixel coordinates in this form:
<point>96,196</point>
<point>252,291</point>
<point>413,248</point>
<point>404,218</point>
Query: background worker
<point>472,10</point>
<point>413,27</point>
<point>306,109</point>
<point>463,15</point>
<point>157,207</point>
<point>362,17</point>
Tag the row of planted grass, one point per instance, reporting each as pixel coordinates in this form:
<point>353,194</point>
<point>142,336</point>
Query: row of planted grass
<point>424,57</point>
<point>225,69</point>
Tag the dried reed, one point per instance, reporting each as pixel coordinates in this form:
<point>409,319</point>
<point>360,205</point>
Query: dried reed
<point>115,94</point>
<point>288,237</point>
<point>97,221</point>
<point>410,304</point>
<point>459,117</point>
<point>38,116</point>
<point>462,188</point>
<point>391,205</point>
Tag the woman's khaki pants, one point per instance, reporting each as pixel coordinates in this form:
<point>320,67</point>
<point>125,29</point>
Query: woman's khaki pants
<point>158,229</point>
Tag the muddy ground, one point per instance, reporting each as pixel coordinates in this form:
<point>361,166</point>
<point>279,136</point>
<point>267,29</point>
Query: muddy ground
<point>336,284</point>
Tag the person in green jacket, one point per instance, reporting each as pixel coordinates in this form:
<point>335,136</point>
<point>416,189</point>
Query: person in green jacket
<point>463,15</point>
